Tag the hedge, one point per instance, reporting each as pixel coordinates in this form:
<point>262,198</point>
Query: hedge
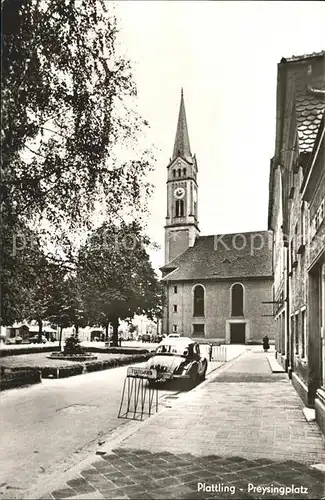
<point>47,348</point>
<point>19,377</point>
<point>27,350</point>
<point>117,350</point>
<point>62,371</point>
<point>91,366</point>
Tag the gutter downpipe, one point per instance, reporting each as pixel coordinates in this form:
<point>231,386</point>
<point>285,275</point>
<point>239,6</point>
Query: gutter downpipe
<point>286,224</point>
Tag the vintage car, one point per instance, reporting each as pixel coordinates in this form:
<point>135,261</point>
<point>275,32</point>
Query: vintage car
<point>37,340</point>
<point>178,358</point>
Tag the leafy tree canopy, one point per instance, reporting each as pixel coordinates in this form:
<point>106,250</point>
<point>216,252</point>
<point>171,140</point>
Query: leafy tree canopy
<point>65,95</point>
<point>118,279</point>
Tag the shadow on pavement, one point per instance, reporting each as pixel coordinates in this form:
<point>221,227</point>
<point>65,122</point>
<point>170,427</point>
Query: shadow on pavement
<point>135,474</point>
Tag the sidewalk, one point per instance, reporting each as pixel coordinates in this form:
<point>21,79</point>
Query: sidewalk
<point>241,431</point>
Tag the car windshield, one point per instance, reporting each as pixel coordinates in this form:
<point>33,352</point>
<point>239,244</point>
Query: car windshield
<point>180,349</point>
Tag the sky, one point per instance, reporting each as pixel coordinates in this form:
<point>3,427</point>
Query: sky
<point>225,56</point>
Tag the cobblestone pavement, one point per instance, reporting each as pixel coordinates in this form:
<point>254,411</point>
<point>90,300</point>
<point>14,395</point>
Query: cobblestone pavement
<point>241,435</point>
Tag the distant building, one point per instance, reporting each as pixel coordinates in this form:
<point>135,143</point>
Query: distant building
<point>218,286</point>
<point>297,217</point>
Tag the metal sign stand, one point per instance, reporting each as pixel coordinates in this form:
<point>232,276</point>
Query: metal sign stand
<point>138,398</point>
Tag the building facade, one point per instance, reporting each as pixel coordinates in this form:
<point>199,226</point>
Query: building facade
<point>218,286</point>
<point>313,194</point>
<point>296,216</point>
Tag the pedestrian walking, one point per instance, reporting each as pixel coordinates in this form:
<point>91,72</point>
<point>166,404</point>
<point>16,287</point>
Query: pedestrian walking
<point>266,344</point>
<point>210,352</point>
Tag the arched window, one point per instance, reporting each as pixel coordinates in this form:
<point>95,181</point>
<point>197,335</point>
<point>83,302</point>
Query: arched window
<point>184,171</point>
<point>174,173</point>
<point>179,208</point>
<point>179,172</point>
<point>198,301</point>
<point>237,300</point>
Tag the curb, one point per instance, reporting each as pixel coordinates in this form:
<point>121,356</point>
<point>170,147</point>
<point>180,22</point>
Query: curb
<point>309,414</point>
<point>274,364</point>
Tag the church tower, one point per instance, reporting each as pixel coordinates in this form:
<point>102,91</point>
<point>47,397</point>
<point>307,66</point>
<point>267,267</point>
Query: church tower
<point>181,227</point>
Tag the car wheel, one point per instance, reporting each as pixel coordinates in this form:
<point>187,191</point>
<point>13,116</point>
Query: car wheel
<point>204,372</point>
<point>194,378</point>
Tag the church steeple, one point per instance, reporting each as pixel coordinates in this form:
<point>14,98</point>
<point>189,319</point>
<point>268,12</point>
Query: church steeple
<point>181,229</point>
<point>182,142</point>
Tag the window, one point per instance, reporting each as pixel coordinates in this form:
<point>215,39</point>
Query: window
<point>283,338</point>
<point>175,308</point>
<point>303,334</point>
<point>199,330</point>
<point>179,208</point>
<point>237,300</point>
<point>292,327</point>
<point>174,328</point>
<point>318,219</point>
<point>302,226</point>
<point>184,171</point>
<point>291,255</point>
<point>198,301</point>
<point>174,173</point>
<point>197,347</point>
<point>297,334</point>
<point>175,289</point>
<point>179,172</point>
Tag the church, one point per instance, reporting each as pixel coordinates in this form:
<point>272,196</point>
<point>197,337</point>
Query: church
<point>217,287</point>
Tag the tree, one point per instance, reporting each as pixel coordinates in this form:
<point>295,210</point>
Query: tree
<point>63,92</point>
<point>68,309</point>
<point>44,294</point>
<point>22,263</point>
<point>119,281</point>
<point>65,108</point>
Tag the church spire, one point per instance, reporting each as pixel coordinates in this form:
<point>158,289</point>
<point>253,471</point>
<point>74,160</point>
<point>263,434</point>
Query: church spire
<point>182,142</point>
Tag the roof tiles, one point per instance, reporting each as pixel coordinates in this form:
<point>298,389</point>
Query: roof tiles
<point>309,98</point>
<point>242,255</point>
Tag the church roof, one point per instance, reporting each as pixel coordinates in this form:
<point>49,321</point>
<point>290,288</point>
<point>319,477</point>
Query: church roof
<point>182,141</point>
<point>229,256</point>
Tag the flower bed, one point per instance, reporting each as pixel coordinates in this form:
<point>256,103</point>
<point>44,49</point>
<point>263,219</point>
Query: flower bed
<point>72,357</point>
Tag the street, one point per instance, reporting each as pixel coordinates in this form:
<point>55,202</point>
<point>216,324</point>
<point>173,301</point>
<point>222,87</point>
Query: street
<point>50,426</point>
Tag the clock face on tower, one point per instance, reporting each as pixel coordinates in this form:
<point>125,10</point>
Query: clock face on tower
<point>179,193</point>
